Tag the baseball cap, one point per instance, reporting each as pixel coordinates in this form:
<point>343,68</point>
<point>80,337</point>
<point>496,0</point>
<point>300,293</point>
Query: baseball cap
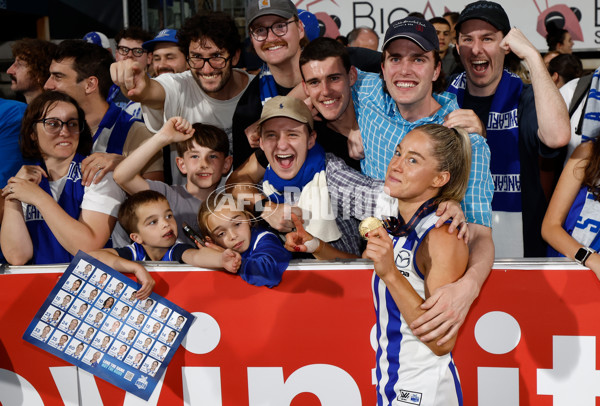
<point>96,37</point>
<point>259,8</point>
<point>166,35</point>
<point>311,24</point>
<point>419,31</point>
<point>488,11</point>
<point>286,106</point>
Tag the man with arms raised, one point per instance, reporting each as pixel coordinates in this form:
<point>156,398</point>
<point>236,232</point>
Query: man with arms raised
<point>523,122</point>
<point>208,93</point>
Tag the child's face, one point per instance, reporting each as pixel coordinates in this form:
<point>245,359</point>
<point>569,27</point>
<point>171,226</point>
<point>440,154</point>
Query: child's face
<point>203,166</point>
<point>156,225</point>
<point>230,229</point>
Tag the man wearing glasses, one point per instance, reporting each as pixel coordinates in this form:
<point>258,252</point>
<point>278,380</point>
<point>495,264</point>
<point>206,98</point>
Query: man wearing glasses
<point>129,46</point>
<point>277,36</point>
<point>207,93</point>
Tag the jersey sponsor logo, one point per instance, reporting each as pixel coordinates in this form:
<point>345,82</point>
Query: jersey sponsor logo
<point>403,259</point>
<point>410,398</point>
<point>507,183</point>
<point>502,121</point>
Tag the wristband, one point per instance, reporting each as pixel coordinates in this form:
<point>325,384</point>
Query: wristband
<point>312,245</point>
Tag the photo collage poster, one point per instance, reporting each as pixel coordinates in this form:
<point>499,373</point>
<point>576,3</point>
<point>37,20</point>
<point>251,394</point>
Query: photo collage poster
<point>92,320</point>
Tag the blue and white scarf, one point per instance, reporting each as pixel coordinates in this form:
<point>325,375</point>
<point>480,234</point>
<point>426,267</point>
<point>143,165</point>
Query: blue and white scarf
<point>46,248</point>
<point>311,183</point>
<point>267,85</point>
<point>590,128</point>
<point>116,123</point>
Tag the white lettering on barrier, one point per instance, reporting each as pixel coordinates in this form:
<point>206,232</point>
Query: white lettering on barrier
<point>573,379</point>
<point>202,386</point>
<point>332,385</point>
<point>497,386</point>
<point>16,390</point>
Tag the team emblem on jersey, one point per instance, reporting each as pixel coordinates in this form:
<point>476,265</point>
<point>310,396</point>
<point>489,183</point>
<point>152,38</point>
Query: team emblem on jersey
<point>408,397</point>
<point>403,258</point>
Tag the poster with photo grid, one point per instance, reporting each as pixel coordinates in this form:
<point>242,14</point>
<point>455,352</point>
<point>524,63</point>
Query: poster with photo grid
<point>93,320</point>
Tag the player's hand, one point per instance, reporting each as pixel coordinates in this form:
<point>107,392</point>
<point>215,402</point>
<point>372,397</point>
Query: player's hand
<point>231,260</point>
<point>380,250</point>
<point>97,165</point>
<point>451,210</point>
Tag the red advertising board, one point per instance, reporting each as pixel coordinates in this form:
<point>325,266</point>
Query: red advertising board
<point>529,339</point>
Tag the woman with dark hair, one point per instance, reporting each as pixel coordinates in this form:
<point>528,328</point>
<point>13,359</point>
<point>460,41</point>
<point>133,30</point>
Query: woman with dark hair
<point>559,39</point>
<point>571,222</point>
<point>564,68</point>
<point>48,214</point>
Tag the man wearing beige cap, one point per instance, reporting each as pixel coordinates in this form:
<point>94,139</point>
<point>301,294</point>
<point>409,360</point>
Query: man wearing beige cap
<point>298,171</point>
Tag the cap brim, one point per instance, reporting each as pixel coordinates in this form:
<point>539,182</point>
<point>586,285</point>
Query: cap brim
<point>149,45</point>
<point>417,39</point>
<point>267,12</point>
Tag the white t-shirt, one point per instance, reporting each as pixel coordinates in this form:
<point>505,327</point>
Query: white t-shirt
<point>104,197</point>
<point>183,97</point>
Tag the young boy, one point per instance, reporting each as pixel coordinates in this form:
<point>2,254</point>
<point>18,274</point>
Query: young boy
<point>203,157</point>
<point>148,219</point>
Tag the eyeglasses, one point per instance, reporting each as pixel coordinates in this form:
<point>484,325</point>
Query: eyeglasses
<point>216,62</point>
<point>53,126</point>
<point>135,51</point>
<point>279,29</point>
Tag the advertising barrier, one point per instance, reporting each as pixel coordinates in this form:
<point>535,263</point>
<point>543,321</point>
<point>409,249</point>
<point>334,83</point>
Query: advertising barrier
<point>529,339</point>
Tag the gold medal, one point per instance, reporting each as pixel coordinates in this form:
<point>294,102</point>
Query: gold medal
<point>367,225</point>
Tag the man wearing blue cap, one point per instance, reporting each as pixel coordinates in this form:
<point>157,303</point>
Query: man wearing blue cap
<point>523,122</point>
<point>166,55</point>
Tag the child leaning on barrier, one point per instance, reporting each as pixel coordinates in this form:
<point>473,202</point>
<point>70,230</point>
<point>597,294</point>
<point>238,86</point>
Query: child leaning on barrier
<point>264,259</point>
<point>148,219</point>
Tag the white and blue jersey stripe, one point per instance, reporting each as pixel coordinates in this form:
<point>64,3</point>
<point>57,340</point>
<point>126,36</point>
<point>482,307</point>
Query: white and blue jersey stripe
<point>408,372</point>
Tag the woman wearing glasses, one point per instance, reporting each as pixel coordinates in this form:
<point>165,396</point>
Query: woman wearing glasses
<point>48,214</point>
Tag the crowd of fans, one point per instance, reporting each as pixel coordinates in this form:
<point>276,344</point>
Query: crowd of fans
<point>454,136</point>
